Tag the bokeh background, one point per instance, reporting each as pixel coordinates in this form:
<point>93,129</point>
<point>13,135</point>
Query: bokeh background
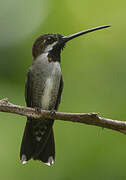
<point>94,73</point>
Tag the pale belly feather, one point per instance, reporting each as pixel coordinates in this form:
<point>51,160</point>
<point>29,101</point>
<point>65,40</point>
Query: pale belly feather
<point>47,76</point>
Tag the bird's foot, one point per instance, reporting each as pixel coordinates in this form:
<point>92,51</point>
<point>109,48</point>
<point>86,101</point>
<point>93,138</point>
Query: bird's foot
<point>52,113</point>
<point>38,109</point>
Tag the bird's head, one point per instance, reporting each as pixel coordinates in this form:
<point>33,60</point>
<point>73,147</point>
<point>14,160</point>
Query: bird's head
<point>54,43</point>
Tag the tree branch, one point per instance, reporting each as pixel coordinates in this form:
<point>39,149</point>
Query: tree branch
<point>86,118</point>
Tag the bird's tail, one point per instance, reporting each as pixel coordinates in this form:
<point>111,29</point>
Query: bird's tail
<point>38,141</point>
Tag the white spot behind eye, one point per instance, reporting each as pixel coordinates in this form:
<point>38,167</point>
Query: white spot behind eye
<point>48,39</point>
<point>50,47</point>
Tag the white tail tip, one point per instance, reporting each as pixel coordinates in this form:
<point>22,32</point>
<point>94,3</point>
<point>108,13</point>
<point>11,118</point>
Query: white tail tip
<point>23,159</point>
<point>50,161</point>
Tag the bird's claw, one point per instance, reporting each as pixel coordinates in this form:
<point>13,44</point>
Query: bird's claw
<point>38,109</point>
<point>52,113</point>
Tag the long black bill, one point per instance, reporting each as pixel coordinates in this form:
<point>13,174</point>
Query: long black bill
<point>69,37</point>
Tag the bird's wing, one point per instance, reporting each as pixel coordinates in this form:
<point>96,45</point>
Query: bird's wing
<point>28,89</point>
<point>59,94</point>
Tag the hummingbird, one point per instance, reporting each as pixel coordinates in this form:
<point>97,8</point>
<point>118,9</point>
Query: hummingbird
<point>43,90</point>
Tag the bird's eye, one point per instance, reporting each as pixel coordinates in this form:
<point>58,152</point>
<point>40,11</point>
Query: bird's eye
<point>49,40</point>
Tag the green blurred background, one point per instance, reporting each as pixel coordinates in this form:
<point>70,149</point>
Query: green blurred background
<point>94,71</point>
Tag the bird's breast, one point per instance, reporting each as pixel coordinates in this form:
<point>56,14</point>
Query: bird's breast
<point>51,87</point>
<point>46,81</point>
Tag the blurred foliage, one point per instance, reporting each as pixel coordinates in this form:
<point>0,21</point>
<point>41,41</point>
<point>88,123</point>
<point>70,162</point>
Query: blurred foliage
<point>94,71</point>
